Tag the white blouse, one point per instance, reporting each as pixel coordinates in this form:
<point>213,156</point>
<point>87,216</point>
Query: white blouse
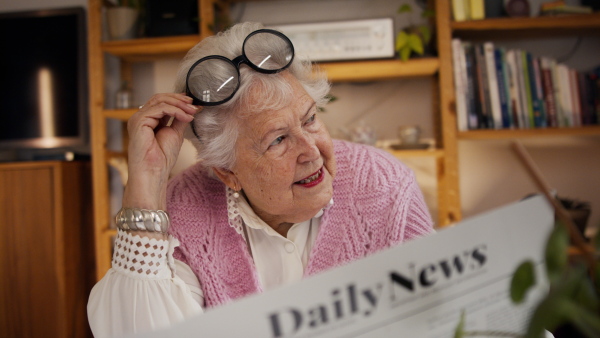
<point>146,289</point>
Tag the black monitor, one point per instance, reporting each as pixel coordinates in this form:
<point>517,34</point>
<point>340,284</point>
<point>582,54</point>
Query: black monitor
<point>43,79</point>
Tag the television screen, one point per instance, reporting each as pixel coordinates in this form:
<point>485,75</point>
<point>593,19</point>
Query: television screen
<point>43,82</point>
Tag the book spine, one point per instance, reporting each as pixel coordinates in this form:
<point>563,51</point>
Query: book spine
<point>511,61</point>
<point>503,90</point>
<point>460,85</point>
<point>477,9</point>
<point>565,95</point>
<point>573,85</point>
<point>493,88</point>
<point>561,120</point>
<point>584,92</point>
<point>459,10</point>
<point>473,106</point>
<point>535,115</point>
<point>528,105</point>
<point>486,120</point>
<point>550,103</point>
<point>540,93</point>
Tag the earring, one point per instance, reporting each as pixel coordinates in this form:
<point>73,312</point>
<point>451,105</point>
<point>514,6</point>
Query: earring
<point>236,195</point>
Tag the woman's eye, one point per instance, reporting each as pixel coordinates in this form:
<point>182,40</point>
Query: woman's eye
<point>311,119</point>
<point>277,141</point>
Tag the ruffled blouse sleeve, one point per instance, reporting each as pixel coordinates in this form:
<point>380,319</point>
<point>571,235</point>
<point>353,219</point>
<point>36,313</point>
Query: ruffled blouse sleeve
<point>145,290</point>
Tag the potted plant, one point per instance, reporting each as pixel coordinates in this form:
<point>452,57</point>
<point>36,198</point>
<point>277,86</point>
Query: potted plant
<point>122,18</point>
<point>571,307</point>
<point>415,38</point>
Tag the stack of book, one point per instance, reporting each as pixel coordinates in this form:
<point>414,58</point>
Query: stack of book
<point>498,88</point>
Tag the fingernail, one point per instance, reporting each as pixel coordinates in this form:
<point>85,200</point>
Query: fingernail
<point>193,107</point>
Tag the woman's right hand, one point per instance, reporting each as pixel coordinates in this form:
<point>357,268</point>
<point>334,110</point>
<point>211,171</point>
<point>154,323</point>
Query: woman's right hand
<point>153,148</point>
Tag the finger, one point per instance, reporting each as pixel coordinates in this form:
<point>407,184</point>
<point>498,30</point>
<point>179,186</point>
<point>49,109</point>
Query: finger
<point>152,117</point>
<point>172,98</point>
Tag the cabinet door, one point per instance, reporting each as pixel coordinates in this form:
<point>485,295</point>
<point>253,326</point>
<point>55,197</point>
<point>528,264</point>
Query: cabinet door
<point>29,285</point>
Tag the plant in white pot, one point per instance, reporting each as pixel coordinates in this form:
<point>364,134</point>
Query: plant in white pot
<point>122,18</point>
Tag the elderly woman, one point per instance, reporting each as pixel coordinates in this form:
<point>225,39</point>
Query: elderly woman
<point>272,199</point>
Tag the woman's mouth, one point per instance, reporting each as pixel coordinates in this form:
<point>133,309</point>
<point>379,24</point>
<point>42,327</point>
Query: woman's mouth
<point>312,180</point>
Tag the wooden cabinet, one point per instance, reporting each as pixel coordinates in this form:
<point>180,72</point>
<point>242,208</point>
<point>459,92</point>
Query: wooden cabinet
<point>46,265</point>
<point>146,49</point>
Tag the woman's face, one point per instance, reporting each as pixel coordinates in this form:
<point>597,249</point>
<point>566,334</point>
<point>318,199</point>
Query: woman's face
<point>285,161</point>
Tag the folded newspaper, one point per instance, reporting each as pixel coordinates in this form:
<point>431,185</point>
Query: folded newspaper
<point>418,289</point>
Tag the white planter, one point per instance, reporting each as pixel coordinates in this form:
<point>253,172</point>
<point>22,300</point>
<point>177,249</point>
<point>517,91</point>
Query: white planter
<point>122,22</point>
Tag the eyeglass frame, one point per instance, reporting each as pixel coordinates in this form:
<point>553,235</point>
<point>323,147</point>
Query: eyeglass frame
<point>236,63</point>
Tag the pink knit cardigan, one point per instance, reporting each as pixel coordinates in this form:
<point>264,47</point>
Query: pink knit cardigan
<point>377,204</point>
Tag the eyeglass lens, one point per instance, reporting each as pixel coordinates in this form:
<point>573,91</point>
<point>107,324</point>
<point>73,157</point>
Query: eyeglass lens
<point>215,80</point>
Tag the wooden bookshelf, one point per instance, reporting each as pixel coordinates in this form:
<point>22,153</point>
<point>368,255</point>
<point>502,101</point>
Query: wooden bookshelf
<point>490,134</point>
<point>538,27</point>
<point>151,49</point>
<point>379,69</point>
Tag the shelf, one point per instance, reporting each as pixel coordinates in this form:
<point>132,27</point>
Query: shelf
<point>150,48</point>
<point>437,153</point>
<point>523,133</point>
<point>120,114</point>
<point>357,71</point>
<point>543,26</point>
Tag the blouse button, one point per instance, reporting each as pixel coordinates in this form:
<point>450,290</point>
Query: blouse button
<point>289,247</point>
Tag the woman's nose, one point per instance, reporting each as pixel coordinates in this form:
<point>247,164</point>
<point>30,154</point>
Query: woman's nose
<point>308,149</point>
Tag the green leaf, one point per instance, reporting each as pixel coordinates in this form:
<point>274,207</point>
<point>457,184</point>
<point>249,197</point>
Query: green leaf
<point>405,9</point>
<point>415,43</point>
<point>586,296</point>
<point>584,320</point>
<point>405,52</point>
<point>425,33</point>
<point>401,40</point>
<point>428,13</point>
<point>548,315</point>
<point>522,280</point>
<point>556,252</point>
<point>459,332</point>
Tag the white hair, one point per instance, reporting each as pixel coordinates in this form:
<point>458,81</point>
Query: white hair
<point>217,126</point>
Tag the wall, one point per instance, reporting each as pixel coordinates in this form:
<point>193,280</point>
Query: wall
<point>490,174</point>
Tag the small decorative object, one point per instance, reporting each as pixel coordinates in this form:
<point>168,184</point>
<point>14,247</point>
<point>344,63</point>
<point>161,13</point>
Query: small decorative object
<point>414,38</point>
<point>122,19</point>
<point>363,134</point>
<point>124,96</point>
<point>409,135</point>
<point>517,8</point>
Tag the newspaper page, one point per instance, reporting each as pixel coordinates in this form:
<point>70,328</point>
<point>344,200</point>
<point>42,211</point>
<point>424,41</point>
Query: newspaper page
<point>417,289</point>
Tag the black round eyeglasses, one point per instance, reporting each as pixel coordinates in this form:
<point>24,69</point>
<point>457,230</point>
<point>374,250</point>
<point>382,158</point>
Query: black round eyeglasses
<point>214,79</point>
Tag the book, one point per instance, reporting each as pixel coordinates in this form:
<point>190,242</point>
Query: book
<point>493,88</point>
<point>515,91</point>
<point>503,87</point>
<point>564,89</point>
<point>486,120</point>
<point>587,106</point>
<point>476,9</point>
<point>460,84</point>
<point>460,10</point>
<point>524,90</point>
<point>576,106</point>
<point>550,103</point>
<point>561,120</point>
<point>537,97</point>
<point>472,101</point>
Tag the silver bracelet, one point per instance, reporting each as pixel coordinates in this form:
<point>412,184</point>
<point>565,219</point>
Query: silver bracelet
<point>143,220</point>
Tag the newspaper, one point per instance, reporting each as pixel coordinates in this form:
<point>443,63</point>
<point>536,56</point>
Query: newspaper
<point>417,289</point>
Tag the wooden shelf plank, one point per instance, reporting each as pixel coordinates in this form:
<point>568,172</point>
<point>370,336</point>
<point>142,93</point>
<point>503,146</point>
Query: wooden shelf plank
<point>523,133</point>
<point>119,114</point>
<point>357,71</point>
<point>150,48</point>
<point>437,153</point>
<point>512,28</point>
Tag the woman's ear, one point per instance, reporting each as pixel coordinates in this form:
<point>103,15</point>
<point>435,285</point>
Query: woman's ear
<point>228,177</point>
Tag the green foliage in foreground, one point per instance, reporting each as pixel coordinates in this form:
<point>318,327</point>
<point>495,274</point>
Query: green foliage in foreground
<point>573,296</point>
